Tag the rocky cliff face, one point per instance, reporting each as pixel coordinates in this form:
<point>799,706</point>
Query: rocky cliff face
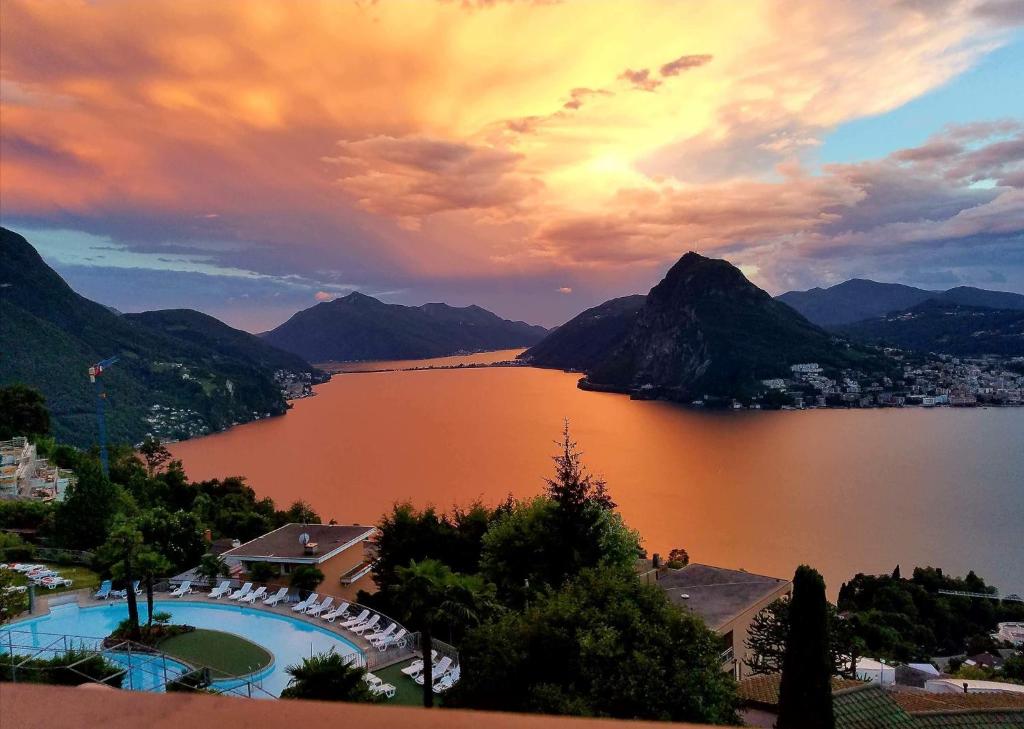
<point>706,330</point>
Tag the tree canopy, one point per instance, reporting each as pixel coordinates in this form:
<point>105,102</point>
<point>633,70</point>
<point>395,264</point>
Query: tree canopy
<point>23,412</point>
<point>601,645</point>
<point>805,692</point>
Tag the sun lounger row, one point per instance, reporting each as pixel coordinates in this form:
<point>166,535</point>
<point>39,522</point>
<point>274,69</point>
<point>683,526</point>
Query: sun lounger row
<point>445,673</point>
<point>365,624</point>
<point>39,575</point>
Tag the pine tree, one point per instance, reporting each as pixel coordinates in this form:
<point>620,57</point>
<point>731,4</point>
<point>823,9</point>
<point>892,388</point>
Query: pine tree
<point>805,694</point>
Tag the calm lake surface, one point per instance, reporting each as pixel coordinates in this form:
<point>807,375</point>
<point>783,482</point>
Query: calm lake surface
<point>846,491</point>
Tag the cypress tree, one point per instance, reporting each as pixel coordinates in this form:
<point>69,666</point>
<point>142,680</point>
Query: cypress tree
<point>805,694</point>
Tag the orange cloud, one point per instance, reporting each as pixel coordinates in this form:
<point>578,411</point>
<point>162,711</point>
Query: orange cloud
<point>498,141</point>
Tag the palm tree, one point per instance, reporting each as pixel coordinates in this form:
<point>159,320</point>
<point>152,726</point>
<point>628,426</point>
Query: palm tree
<point>211,566</point>
<point>431,595</point>
<point>327,677</point>
<point>121,552</point>
<point>151,564</point>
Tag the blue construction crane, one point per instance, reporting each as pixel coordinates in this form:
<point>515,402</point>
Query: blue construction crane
<point>101,399</point>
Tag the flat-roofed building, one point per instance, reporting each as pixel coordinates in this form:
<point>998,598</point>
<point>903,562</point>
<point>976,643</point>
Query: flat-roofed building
<point>726,599</point>
<point>341,551</point>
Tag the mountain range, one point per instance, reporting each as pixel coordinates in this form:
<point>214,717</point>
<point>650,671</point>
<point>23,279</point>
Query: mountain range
<point>360,327</point>
<point>703,330</point>
<point>859,299</point>
<point>938,325</point>
<point>179,373</point>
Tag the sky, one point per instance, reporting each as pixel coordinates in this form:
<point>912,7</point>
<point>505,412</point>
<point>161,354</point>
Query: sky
<point>535,158</point>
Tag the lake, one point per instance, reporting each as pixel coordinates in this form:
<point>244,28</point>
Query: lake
<point>843,490</point>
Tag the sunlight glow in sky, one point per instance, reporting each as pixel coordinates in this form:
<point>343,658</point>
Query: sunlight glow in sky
<point>536,158</point>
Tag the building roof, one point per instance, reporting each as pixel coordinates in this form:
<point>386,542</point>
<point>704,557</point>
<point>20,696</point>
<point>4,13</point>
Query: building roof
<point>860,705</point>
<point>284,545</point>
<point>763,690</point>
<point>717,594</point>
<point>979,719</point>
<point>924,701</point>
<point>868,706</point>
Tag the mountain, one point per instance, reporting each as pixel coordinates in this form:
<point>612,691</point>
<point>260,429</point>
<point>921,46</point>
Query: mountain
<point>938,325</point>
<point>196,328</point>
<point>587,338</point>
<point>705,330</point>
<point>359,327</point>
<point>173,383</point>
<point>859,299</point>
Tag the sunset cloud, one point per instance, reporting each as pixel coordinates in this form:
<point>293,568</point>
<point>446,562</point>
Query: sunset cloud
<point>487,147</point>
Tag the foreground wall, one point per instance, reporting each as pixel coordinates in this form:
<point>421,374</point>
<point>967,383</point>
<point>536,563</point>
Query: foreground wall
<point>25,706</point>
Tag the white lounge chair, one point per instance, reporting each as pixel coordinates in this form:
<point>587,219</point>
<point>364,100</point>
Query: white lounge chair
<point>316,610</point>
<point>255,595</point>
<point>301,606</point>
<point>339,612</point>
<point>363,627</point>
<point>439,670</point>
<point>447,681</point>
<point>241,592</point>
<point>377,685</point>
<point>416,667</point>
<point>221,590</point>
<point>276,597</point>
<point>185,588</point>
<point>379,633</point>
<point>353,622</point>
<point>382,644</point>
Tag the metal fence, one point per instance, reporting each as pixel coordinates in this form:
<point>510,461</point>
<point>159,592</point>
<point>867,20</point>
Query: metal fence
<point>373,657</point>
<point>142,668</point>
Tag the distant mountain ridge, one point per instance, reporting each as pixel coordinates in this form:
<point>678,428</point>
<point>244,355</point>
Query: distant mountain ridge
<point>938,325</point>
<point>360,327</point>
<point>859,299</point>
<point>586,339</point>
<point>703,330</point>
<point>189,371</point>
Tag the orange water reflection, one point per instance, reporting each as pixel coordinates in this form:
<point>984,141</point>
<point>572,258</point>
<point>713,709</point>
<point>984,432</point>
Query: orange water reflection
<point>845,491</point>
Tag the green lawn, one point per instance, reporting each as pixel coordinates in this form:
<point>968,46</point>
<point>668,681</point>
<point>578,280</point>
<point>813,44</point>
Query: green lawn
<point>409,692</point>
<point>81,577</point>
<point>225,654</point>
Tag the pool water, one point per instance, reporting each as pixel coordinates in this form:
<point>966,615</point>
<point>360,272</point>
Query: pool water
<point>288,639</point>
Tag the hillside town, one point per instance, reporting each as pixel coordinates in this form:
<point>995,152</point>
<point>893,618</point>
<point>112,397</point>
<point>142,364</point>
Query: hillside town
<point>933,381</point>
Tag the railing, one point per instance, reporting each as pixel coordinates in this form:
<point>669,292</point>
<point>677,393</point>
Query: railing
<point>142,668</point>
<point>372,657</point>
<point>987,595</point>
<point>727,655</point>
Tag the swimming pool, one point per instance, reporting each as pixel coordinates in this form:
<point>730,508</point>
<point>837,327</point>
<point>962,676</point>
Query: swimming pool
<point>288,639</point>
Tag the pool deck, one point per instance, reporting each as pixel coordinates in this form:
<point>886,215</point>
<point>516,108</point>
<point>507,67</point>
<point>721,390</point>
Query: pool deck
<point>375,659</point>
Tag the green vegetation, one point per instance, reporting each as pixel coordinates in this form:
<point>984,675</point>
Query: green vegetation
<point>306,578</point>
<point>940,326</point>
<point>602,645</point>
<point>83,578</point>
<point>327,677</point>
<point>906,619</point>
<point>225,654</point>
<point>87,668</point>
<point>805,692</point>
<point>52,335</point>
<point>23,412</point>
<point>541,599</point>
<point>769,631</point>
<point>432,596</point>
